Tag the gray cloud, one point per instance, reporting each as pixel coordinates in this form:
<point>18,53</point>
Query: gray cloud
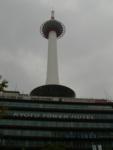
<point>85,52</point>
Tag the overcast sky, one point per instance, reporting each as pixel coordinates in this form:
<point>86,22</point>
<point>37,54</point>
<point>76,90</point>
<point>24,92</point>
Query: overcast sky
<point>85,52</point>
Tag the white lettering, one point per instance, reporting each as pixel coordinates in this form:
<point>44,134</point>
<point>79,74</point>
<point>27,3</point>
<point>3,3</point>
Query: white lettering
<point>50,115</point>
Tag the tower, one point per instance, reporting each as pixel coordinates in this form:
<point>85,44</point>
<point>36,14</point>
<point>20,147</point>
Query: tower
<point>52,30</point>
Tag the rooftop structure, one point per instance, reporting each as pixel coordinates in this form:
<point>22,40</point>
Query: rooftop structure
<point>52,30</point>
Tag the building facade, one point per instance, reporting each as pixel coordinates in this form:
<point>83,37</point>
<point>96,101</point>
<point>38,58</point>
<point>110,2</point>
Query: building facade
<point>32,122</point>
<point>52,114</point>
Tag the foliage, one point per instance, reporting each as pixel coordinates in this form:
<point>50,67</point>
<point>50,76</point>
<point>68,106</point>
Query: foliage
<point>3,84</point>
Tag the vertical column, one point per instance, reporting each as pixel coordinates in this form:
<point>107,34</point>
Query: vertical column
<point>100,147</point>
<point>94,147</point>
<point>52,65</point>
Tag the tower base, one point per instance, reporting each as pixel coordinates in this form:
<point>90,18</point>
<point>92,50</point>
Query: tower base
<point>53,90</point>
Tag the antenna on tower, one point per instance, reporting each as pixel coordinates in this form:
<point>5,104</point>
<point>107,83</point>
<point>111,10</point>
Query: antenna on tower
<point>52,14</point>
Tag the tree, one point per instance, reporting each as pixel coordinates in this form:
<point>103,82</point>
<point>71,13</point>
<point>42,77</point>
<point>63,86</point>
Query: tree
<point>3,84</point>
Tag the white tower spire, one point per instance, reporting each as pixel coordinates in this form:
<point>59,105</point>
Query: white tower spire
<point>52,30</point>
<point>52,65</point>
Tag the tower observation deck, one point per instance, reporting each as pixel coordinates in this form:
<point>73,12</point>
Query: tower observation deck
<point>52,25</point>
<point>53,30</point>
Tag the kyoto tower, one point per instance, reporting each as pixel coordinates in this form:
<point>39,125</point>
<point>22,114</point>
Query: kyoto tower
<point>52,30</point>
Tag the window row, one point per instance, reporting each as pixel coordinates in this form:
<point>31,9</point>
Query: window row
<point>56,106</point>
<point>56,134</point>
<point>55,124</point>
<point>68,144</point>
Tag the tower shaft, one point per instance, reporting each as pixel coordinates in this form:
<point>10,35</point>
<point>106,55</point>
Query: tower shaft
<point>52,65</point>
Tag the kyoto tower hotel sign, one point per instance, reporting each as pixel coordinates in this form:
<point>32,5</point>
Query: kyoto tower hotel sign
<point>52,30</point>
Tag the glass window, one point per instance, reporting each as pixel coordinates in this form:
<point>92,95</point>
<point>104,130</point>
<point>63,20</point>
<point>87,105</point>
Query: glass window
<point>55,124</point>
<point>56,106</point>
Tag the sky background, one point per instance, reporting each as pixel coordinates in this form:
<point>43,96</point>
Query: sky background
<point>85,52</point>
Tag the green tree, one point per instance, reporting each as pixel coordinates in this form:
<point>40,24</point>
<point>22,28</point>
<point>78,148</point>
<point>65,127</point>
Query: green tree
<point>3,84</point>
